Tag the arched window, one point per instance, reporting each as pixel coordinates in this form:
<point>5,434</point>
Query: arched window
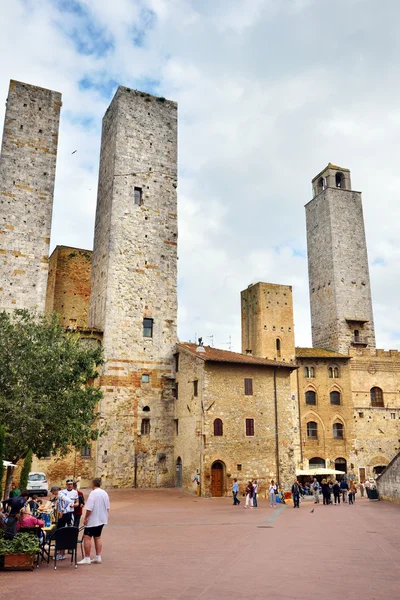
<point>334,372</point>
<point>376,396</point>
<point>335,398</point>
<point>341,464</point>
<point>316,463</point>
<point>145,427</point>
<point>321,185</point>
<point>312,430</point>
<point>146,408</point>
<point>311,398</point>
<point>339,180</point>
<point>278,347</point>
<point>338,431</point>
<point>309,372</point>
<point>218,427</point>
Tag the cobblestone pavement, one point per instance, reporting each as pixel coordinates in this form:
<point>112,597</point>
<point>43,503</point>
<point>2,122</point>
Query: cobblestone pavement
<point>165,544</point>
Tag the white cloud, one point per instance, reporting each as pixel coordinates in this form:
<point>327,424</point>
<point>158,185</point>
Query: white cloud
<point>268,94</point>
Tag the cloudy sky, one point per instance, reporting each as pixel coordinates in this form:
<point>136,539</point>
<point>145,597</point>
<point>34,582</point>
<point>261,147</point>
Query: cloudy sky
<point>269,92</point>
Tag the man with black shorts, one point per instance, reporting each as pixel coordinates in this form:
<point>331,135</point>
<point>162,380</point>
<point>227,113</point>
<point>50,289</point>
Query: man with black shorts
<point>96,516</point>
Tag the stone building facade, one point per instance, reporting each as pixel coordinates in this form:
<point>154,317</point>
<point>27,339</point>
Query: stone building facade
<point>235,417</point>
<point>134,288</point>
<point>27,174</point>
<point>68,285</point>
<point>340,290</point>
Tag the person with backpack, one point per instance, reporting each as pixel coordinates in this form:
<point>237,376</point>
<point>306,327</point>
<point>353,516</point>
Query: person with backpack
<point>249,495</point>
<point>336,491</point>
<point>344,487</point>
<point>315,488</point>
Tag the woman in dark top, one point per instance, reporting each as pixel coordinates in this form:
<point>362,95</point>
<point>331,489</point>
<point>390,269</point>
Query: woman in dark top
<point>325,492</point>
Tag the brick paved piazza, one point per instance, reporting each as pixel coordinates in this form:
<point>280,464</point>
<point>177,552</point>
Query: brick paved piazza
<point>165,544</point>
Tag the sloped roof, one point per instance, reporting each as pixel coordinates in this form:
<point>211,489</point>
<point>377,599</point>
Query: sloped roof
<point>217,355</point>
<point>318,353</point>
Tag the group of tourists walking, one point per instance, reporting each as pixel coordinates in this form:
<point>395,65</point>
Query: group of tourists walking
<point>251,493</point>
<point>340,490</point>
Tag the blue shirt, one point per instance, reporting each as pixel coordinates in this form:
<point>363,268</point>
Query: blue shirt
<point>235,487</point>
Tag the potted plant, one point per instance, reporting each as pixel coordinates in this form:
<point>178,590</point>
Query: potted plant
<point>19,552</point>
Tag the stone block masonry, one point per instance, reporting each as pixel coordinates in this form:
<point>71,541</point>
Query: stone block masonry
<point>27,173</point>
<point>134,278</point>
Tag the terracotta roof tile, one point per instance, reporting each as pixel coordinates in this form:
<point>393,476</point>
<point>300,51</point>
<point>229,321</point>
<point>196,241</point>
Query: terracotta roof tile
<point>318,353</point>
<point>217,355</point>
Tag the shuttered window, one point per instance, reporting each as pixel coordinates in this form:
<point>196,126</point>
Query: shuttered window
<point>248,387</point>
<point>250,426</point>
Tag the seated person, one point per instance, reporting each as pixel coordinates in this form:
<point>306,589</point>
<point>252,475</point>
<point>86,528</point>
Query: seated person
<point>34,503</point>
<point>25,519</point>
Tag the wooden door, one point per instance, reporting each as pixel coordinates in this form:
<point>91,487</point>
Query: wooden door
<point>217,479</point>
<point>362,474</point>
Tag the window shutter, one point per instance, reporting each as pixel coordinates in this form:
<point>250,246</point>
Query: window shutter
<point>250,427</point>
<point>248,387</point>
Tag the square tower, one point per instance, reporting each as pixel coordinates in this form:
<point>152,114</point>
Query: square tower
<point>267,321</point>
<point>340,290</point>
<point>134,287</point>
<point>27,174</point>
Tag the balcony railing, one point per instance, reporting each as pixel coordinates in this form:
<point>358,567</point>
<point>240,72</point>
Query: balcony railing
<point>359,341</point>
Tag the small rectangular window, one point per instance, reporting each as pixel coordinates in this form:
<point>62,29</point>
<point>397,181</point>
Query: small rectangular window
<point>145,427</point>
<point>361,415</point>
<point>85,451</point>
<point>250,427</point>
<point>177,362</point>
<point>137,196</point>
<point>148,328</point>
<point>176,389</point>
<point>176,426</point>
<point>195,388</point>
<point>239,467</point>
<point>145,378</point>
<point>248,387</point>
<point>392,415</point>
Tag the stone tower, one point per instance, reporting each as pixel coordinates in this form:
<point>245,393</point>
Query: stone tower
<point>340,291</point>
<point>27,173</point>
<point>134,288</point>
<point>267,321</point>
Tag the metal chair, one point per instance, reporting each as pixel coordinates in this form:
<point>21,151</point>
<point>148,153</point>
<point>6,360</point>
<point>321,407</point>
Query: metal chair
<point>80,541</point>
<point>65,538</point>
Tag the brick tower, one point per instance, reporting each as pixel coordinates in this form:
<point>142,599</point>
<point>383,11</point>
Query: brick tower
<point>340,291</point>
<point>27,173</point>
<point>134,288</point>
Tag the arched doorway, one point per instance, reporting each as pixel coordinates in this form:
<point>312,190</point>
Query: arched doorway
<point>316,463</point>
<point>341,465</point>
<point>217,478</point>
<point>178,474</point>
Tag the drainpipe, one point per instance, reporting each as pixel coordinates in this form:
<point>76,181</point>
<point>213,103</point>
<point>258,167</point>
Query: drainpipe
<point>276,429</point>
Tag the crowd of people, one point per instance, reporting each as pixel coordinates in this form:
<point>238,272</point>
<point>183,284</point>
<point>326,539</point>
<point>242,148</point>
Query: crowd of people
<point>25,509</point>
<point>332,492</point>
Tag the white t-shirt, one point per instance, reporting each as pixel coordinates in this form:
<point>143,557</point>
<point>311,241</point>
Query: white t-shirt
<point>73,496</point>
<point>99,503</point>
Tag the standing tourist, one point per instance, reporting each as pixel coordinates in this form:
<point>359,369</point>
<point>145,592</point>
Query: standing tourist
<point>235,491</point>
<point>73,496</point>
<point>336,491</point>
<point>96,516</point>
<point>63,512</point>
<point>249,495</point>
<point>272,494</point>
<point>325,492</point>
<point>315,488</point>
<point>255,492</point>
<point>344,487</point>
<point>362,489</point>
<point>296,494</point>
<point>352,492</point>
<point>15,491</point>
<point>78,509</point>
<point>367,486</point>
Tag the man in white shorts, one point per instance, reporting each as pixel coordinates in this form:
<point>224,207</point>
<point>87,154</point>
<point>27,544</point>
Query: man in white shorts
<point>96,516</point>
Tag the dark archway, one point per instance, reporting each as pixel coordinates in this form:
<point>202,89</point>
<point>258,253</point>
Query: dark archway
<point>178,473</point>
<point>217,478</point>
<point>341,464</point>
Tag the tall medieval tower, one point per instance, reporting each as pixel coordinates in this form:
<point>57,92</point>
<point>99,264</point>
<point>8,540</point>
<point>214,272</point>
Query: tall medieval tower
<point>340,291</point>
<point>134,288</point>
<point>27,173</point>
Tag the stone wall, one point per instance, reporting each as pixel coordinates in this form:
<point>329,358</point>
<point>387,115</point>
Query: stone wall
<point>134,277</point>
<point>27,172</point>
<point>340,291</point>
<point>68,287</point>
<point>388,482</point>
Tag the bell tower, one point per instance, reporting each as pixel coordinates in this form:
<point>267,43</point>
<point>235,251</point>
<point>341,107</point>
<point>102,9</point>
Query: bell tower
<point>340,290</point>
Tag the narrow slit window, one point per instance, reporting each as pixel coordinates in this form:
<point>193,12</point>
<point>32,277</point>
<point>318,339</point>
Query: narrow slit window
<point>195,388</point>
<point>148,328</point>
<point>138,196</point>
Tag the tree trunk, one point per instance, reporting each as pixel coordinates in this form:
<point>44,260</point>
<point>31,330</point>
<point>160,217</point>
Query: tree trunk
<point>9,478</point>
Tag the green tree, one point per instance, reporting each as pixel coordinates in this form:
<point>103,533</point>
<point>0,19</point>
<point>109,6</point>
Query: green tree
<point>23,478</point>
<point>2,456</point>
<point>47,397</point>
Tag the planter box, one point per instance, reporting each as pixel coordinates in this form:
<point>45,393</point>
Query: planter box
<point>19,562</point>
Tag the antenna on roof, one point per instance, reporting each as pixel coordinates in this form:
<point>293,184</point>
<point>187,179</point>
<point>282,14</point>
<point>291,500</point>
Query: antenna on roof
<point>211,337</point>
<point>229,344</point>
